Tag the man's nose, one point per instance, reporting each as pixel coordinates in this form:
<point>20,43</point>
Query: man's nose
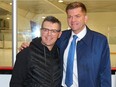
<point>73,19</point>
<point>49,32</point>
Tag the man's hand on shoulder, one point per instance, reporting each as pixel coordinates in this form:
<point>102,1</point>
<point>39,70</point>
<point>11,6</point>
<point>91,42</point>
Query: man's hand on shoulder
<point>23,45</point>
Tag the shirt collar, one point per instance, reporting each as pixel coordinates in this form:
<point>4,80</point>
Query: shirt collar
<point>80,34</point>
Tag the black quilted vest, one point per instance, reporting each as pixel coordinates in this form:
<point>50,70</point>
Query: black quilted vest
<point>44,66</point>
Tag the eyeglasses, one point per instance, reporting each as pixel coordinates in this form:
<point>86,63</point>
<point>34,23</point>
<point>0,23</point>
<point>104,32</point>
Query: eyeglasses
<point>53,31</point>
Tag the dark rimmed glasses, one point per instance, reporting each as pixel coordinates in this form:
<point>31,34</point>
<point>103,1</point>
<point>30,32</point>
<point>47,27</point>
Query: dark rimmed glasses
<point>53,31</point>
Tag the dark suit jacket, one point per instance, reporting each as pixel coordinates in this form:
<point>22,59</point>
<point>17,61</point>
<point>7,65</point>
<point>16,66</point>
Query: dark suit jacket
<point>93,58</point>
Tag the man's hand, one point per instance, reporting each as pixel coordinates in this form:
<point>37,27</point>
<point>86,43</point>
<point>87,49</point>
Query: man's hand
<point>23,45</point>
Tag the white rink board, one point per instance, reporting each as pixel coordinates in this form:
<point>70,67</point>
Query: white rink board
<point>5,79</point>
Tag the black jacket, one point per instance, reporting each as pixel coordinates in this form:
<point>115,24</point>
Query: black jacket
<point>36,66</point>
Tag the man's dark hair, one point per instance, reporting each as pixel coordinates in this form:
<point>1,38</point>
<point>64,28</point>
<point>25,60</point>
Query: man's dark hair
<point>74,5</point>
<point>52,19</point>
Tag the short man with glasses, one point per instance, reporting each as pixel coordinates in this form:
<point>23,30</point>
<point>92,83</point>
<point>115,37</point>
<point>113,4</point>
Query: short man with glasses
<point>39,64</point>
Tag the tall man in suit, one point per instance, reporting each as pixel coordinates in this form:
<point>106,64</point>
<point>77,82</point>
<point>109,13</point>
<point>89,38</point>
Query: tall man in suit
<point>92,57</point>
<point>91,66</point>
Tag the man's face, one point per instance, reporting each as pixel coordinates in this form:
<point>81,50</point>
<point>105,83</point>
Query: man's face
<point>49,33</point>
<point>76,19</point>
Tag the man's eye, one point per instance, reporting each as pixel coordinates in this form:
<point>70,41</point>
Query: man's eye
<point>45,29</point>
<point>77,16</point>
<point>54,31</point>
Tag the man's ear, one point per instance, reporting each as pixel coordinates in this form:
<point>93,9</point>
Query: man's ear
<point>40,32</point>
<point>60,34</point>
<point>86,18</point>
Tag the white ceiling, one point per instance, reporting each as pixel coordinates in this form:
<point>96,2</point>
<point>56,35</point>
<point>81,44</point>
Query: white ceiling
<point>54,7</point>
